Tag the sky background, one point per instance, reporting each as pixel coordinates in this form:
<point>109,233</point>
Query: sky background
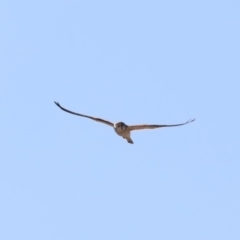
<point>156,62</point>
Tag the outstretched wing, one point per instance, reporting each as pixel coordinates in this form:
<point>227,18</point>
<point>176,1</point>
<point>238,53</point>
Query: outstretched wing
<point>142,127</point>
<point>81,115</point>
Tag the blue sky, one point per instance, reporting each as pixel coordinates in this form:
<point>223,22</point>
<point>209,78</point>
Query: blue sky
<point>156,62</point>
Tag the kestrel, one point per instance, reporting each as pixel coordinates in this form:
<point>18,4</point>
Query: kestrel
<point>121,128</point>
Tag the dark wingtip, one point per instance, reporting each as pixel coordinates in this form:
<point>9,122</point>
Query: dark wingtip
<point>57,104</point>
<point>191,120</point>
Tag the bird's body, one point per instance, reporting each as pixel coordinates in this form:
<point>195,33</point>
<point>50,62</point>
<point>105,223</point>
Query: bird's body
<point>121,128</point>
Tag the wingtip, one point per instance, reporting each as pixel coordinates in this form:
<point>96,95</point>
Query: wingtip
<point>191,120</point>
<point>57,103</point>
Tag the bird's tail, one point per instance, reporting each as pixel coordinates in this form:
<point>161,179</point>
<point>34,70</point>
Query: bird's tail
<point>129,140</point>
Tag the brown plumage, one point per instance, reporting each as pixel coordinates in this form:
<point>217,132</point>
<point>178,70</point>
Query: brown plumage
<point>121,128</point>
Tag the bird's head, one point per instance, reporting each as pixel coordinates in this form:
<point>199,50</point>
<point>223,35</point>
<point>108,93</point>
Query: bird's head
<point>120,126</point>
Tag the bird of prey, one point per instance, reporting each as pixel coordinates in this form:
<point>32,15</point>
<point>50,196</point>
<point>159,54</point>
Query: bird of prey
<point>121,128</point>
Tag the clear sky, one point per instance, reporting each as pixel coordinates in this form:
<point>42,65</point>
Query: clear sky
<point>155,62</point>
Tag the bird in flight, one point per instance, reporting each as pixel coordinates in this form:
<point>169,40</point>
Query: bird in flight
<point>121,128</point>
